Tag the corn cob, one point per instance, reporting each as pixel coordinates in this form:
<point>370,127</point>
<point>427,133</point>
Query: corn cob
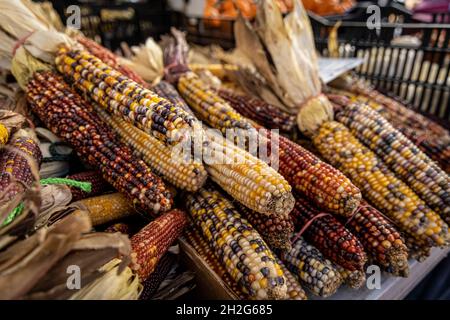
<point>98,185</point>
<point>124,97</point>
<point>294,289</point>
<point>185,174</point>
<point>202,248</point>
<point>276,230</point>
<point>430,137</point>
<point>109,58</point>
<point>314,179</point>
<point>4,135</point>
<point>248,179</point>
<point>417,251</point>
<point>150,244</point>
<point>379,185</point>
<point>15,169</point>
<point>106,208</point>
<point>314,271</point>
<point>208,105</point>
<point>410,164</point>
<point>153,282</point>
<point>67,115</point>
<point>353,279</point>
<point>166,90</point>
<point>380,239</point>
<point>328,235</point>
<point>119,227</point>
<point>260,111</point>
<point>237,245</point>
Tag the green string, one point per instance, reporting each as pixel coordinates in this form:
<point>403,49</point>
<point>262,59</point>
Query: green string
<point>85,186</point>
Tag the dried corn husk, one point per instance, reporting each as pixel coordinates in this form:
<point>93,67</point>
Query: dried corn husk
<point>11,120</point>
<point>112,285</point>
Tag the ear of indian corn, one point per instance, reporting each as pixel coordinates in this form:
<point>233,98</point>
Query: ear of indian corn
<point>267,115</point>
<point>183,173</point>
<point>417,251</point>
<point>109,58</point>
<point>152,241</point>
<point>70,117</point>
<point>15,168</point>
<point>238,246</point>
<point>208,106</point>
<point>379,185</point>
<point>353,279</point>
<point>380,239</point>
<point>327,187</point>
<point>98,185</point>
<point>410,164</point>
<point>106,208</point>
<point>276,230</point>
<point>329,235</point>
<point>119,227</point>
<point>4,134</point>
<point>313,270</point>
<point>246,178</point>
<point>153,282</point>
<point>202,248</point>
<point>123,97</point>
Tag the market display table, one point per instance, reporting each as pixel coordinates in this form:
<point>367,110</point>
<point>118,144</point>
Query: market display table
<point>393,288</point>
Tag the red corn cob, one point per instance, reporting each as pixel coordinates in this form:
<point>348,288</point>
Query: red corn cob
<point>330,236</point>
<point>150,244</point>
<point>153,282</point>
<point>98,185</point>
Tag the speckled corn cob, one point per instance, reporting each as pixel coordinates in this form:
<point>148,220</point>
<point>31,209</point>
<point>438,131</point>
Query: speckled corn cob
<point>380,239</point>
<point>410,164</point>
<point>73,119</point>
<point>276,230</point>
<point>166,90</point>
<point>260,111</point>
<point>314,271</point>
<point>329,235</point>
<point>245,256</point>
<point>123,97</point>
<point>106,208</point>
<point>98,185</point>
<point>353,279</point>
<point>417,251</point>
<point>294,289</point>
<point>208,106</point>
<point>327,187</point>
<point>15,170</point>
<point>185,174</point>
<point>109,58</point>
<point>379,185</point>
<point>248,179</point>
<point>202,248</point>
<point>150,244</point>
<point>153,282</point>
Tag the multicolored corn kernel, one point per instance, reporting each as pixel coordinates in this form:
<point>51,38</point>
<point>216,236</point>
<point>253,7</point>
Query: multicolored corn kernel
<point>124,97</point>
<point>155,279</point>
<point>379,185</point>
<point>119,227</point>
<point>73,119</point>
<point>238,246</point>
<point>276,230</point>
<point>417,251</point>
<point>314,271</point>
<point>150,244</point>
<point>208,106</point>
<point>327,187</point>
<point>410,164</point>
<point>353,279</point>
<point>380,239</point>
<point>328,235</point>
<point>294,288</point>
<point>98,185</point>
<point>106,208</point>
<point>186,174</point>
<point>246,178</point>
<point>166,90</point>
<point>267,115</point>
<point>15,169</point>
